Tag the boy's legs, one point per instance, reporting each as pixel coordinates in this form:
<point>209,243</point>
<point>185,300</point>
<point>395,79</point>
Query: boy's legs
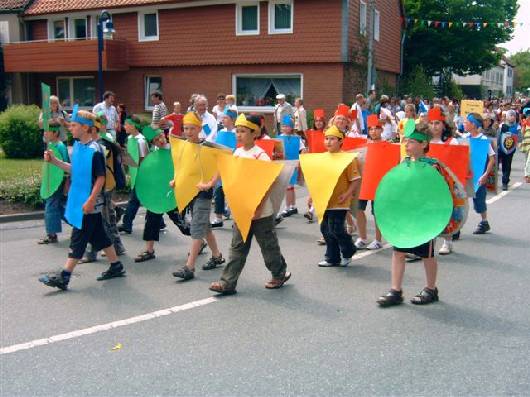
<point>332,255</point>
<point>239,250</point>
<point>398,270</point>
<point>109,219</point>
<point>270,248</point>
<point>344,240</point>
<point>219,198</point>
<point>130,213</point>
<point>431,270</point>
<point>480,207</point>
<point>53,214</point>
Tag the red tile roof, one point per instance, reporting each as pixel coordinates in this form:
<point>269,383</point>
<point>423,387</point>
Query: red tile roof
<point>13,4</point>
<point>40,7</point>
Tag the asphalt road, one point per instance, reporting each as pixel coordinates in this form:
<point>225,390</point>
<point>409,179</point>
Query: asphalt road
<point>322,334</point>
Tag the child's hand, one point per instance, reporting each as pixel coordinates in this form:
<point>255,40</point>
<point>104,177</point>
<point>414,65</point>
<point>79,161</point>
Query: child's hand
<point>482,180</point>
<point>204,186</point>
<point>49,156</point>
<point>89,205</point>
<point>343,198</point>
<point>172,184</point>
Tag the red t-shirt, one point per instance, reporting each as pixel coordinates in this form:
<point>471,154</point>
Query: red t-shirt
<point>176,119</point>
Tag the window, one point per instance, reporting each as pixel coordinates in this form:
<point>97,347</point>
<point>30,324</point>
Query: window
<point>152,83</point>
<point>509,72</point>
<point>261,90</point>
<point>56,30</point>
<point>362,18</point>
<point>80,90</point>
<point>247,19</point>
<point>377,24</point>
<point>147,26</point>
<point>280,16</point>
<point>79,28</point>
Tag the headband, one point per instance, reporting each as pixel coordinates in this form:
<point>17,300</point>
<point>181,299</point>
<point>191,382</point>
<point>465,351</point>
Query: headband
<point>80,120</point>
<point>334,131</point>
<point>192,118</point>
<point>136,125</point>
<point>419,136</point>
<point>473,120</point>
<point>243,122</point>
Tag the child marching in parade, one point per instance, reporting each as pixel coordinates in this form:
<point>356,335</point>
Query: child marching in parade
<point>85,202</point>
<point>261,226</point>
<point>52,188</point>
<point>509,134</point>
<point>200,206</point>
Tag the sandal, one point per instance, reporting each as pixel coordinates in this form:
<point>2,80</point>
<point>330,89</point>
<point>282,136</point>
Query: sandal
<point>145,256</point>
<point>276,283</point>
<point>425,297</point>
<point>49,239</point>
<point>220,288</point>
<point>391,298</point>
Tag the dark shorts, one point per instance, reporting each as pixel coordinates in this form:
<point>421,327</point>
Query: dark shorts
<point>92,232</point>
<point>424,251</point>
<point>364,203</point>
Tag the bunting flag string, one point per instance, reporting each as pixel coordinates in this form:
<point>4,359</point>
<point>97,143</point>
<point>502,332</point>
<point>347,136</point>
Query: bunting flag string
<point>473,25</point>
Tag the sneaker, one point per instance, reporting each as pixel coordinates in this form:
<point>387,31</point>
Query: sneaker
<point>114,270</point>
<point>361,244</point>
<point>49,239</point>
<point>412,257</point>
<point>391,298</point>
<point>227,213</point>
<point>213,262</point>
<point>345,262</point>
<point>184,273</point>
<point>123,229</point>
<point>288,212</point>
<point>482,228</point>
<point>374,245</point>
<point>278,219</point>
<point>456,236</point>
<point>119,213</point>
<point>504,188</point>
<point>447,248</point>
<point>321,241</point>
<point>163,227</point>
<point>325,263</point>
<point>217,223</point>
<point>54,280</point>
<point>309,216</point>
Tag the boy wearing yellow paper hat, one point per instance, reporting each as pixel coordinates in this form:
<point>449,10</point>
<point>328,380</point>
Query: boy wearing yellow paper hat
<point>262,226</point>
<point>201,206</point>
<point>338,241</point>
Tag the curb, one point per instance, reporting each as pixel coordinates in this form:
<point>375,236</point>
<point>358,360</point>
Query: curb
<point>32,216</point>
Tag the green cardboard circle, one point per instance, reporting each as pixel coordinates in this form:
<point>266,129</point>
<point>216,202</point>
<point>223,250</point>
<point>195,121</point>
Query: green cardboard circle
<point>152,182</point>
<point>412,204</point>
<point>52,176</point>
<point>134,152</point>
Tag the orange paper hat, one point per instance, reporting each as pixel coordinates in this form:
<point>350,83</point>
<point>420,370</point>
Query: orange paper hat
<point>343,110</point>
<point>436,114</point>
<point>373,121</point>
<point>318,114</point>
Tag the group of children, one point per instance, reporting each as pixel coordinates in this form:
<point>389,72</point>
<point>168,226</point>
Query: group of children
<point>94,171</point>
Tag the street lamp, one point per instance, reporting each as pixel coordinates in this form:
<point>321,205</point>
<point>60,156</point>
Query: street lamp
<point>105,25</point>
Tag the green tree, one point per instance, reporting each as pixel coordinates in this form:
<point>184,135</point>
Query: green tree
<point>521,61</point>
<point>417,83</point>
<point>457,49</point>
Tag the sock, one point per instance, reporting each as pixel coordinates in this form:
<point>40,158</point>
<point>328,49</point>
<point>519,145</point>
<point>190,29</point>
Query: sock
<point>65,274</point>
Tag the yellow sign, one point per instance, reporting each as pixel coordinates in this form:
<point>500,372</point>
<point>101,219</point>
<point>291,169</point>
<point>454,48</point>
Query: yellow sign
<point>193,163</point>
<point>321,173</point>
<point>245,183</point>
<point>468,106</point>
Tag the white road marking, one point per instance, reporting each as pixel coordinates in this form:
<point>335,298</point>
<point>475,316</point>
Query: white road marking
<point>369,252</point>
<point>107,327</point>
<point>502,194</point>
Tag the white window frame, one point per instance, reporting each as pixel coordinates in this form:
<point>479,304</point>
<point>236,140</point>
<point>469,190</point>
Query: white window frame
<point>272,29</point>
<point>51,36</point>
<point>239,18</point>
<point>141,26</point>
<point>71,28</point>
<point>264,109</point>
<point>377,25</point>
<point>363,12</point>
<point>147,95</point>
<point>71,89</point>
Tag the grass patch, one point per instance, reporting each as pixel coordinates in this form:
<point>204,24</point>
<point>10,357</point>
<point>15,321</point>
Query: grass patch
<point>20,181</point>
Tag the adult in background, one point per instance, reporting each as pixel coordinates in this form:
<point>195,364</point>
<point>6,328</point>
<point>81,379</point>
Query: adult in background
<point>300,117</point>
<point>111,114</point>
<point>281,109</point>
<point>219,109</point>
<point>58,118</point>
<point>209,122</point>
<point>159,107</point>
<point>358,123</point>
<point>121,135</point>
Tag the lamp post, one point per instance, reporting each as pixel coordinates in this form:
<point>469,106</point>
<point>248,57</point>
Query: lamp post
<point>105,25</point>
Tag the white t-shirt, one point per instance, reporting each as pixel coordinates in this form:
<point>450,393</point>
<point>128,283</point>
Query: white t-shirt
<point>359,110</point>
<point>257,153</point>
<point>389,129</point>
<point>143,149</point>
<point>219,112</point>
<point>453,141</point>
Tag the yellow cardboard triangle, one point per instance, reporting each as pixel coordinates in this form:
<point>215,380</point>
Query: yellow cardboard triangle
<point>245,183</point>
<point>193,163</point>
<point>321,173</point>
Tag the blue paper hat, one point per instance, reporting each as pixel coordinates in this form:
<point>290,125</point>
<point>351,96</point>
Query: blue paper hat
<point>287,120</point>
<point>230,113</point>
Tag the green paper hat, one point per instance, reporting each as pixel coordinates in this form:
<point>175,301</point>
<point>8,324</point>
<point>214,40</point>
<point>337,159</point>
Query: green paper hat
<point>150,133</point>
<point>412,133</point>
<point>410,126</point>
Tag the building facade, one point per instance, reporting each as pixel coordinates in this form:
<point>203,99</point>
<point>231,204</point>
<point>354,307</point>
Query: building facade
<point>253,49</point>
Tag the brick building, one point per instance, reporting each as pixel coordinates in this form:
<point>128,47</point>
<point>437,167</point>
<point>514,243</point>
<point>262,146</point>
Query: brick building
<point>253,49</point>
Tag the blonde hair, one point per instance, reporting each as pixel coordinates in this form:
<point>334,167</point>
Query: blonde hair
<point>231,97</point>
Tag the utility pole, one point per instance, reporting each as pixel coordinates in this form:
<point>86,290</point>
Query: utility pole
<point>370,31</point>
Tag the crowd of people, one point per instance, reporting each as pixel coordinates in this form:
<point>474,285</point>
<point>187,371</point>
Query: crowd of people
<point>108,144</point>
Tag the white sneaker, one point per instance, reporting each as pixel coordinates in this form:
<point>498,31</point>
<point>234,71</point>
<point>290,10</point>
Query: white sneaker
<point>345,262</point>
<point>325,263</point>
<point>361,244</point>
<point>447,248</point>
<point>375,245</point>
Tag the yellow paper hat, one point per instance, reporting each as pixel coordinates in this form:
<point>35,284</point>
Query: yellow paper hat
<point>334,131</point>
<point>192,118</point>
<point>242,121</point>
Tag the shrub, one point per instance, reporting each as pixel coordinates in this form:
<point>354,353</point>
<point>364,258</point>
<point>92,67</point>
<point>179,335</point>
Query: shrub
<point>20,135</point>
<point>25,190</point>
